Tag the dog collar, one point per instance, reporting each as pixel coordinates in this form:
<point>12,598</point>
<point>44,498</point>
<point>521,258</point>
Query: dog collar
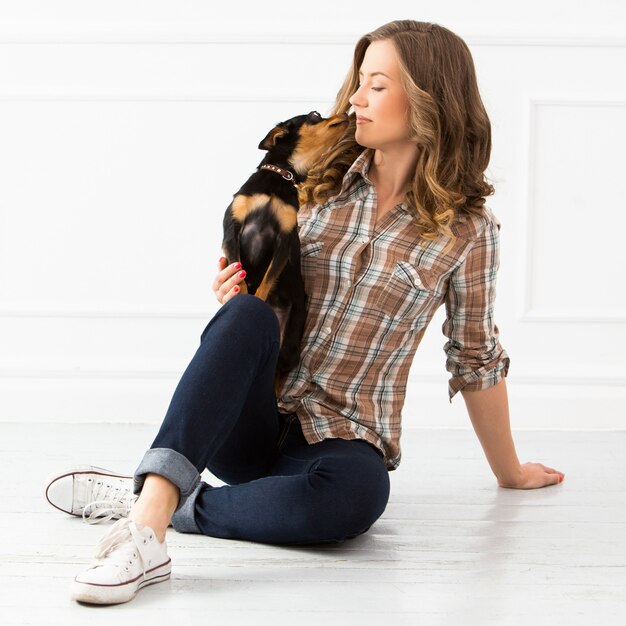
<point>286,174</point>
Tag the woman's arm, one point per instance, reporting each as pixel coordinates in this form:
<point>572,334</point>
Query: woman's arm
<point>489,411</point>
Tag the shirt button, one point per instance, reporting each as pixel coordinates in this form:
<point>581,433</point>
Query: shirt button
<point>328,330</point>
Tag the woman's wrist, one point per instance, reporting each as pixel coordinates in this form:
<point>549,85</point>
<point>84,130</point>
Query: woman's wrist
<point>511,477</point>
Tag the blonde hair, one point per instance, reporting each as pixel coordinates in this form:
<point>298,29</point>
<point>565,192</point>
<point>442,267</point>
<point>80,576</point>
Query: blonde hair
<point>447,119</point>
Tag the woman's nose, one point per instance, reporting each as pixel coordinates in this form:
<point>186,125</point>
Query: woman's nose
<point>356,99</point>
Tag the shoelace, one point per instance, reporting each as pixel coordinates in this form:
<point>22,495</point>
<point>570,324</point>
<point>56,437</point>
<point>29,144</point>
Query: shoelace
<point>107,504</point>
<point>116,548</point>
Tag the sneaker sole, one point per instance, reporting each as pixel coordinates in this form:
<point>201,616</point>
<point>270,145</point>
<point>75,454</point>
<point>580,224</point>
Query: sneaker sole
<point>93,593</point>
<point>79,469</point>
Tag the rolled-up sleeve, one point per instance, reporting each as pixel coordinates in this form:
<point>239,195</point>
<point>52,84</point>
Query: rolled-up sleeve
<point>474,355</point>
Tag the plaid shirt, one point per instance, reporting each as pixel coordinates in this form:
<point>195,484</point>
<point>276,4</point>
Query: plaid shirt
<point>373,289</point>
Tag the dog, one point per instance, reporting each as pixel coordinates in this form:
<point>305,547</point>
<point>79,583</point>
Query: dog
<point>261,230</point>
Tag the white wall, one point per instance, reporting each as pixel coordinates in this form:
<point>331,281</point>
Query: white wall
<point>125,128</point>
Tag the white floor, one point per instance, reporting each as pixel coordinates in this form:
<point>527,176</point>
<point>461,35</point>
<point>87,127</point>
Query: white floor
<point>451,548</point>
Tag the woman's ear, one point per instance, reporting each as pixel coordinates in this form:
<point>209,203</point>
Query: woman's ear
<point>272,137</point>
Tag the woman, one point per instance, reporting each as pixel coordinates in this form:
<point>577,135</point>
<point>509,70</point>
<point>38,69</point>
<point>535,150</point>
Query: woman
<point>393,224</point>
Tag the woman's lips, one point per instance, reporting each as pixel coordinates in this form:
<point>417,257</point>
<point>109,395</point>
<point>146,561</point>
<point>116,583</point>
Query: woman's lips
<point>361,120</point>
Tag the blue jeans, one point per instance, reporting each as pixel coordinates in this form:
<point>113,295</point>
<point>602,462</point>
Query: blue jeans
<point>223,416</point>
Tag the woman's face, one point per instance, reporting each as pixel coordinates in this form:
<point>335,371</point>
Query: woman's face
<point>380,103</point>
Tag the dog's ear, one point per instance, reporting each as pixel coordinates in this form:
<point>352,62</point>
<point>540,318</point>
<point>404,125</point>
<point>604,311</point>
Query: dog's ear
<point>272,136</point>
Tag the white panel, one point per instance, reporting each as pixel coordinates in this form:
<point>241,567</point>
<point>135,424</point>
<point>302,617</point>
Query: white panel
<point>576,255</point>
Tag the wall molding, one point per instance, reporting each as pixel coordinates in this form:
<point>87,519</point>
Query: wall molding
<point>562,317</point>
<point>229,98</point>
<point>42,312</point>
<point>159,37</point>
<point>91,373</point>
<point>527,313</point>
<point>189,314</point>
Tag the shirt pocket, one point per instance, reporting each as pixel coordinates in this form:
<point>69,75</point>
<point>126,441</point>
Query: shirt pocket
<point>406,295</point>
<point>309,256</point>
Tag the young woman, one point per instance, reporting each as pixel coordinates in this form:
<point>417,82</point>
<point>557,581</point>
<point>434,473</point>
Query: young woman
<point>393,224</point>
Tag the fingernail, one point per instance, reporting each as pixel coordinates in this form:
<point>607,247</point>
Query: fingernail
<point>242,274</point>
<point>237,266</point>
<point>236,290</point>
<point>221,259</point>
<point>561,479</point>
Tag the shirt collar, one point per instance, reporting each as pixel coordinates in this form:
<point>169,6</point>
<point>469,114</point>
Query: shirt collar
<point>360,167</point>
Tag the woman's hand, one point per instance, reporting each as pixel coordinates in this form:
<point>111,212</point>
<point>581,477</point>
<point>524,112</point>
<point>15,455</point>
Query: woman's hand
<point>226,283</point>
<point>534,476</point>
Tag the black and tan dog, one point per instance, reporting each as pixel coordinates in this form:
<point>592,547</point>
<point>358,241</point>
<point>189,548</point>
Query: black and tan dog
<point>260,224</point>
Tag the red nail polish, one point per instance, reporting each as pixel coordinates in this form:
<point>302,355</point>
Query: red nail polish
<point>237,266</point>
<point>236,289</point>
<point>242,274</point>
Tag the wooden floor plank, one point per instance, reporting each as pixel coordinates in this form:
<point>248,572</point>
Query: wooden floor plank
<point>451,547</point>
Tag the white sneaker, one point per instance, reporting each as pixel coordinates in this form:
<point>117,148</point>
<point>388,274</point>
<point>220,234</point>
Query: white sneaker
<point>128,558</point>
<point>95,493</point>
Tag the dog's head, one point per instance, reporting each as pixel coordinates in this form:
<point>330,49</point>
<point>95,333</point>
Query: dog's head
<point>301,140</point>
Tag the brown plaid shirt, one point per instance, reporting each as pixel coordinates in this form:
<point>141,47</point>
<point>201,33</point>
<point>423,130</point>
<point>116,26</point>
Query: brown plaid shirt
<point>373,289</point>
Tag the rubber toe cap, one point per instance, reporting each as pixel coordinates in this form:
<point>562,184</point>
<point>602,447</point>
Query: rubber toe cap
<point>60,493</point>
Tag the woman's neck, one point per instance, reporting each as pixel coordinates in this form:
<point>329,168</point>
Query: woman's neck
<point>392,170</point>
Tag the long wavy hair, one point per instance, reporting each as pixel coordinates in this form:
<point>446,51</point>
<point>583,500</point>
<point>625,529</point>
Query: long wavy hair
<point>447,119</point>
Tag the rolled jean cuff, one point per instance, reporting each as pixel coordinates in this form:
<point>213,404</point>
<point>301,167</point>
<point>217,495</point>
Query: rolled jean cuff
<point>184,519</point>
<point>172,465</point>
